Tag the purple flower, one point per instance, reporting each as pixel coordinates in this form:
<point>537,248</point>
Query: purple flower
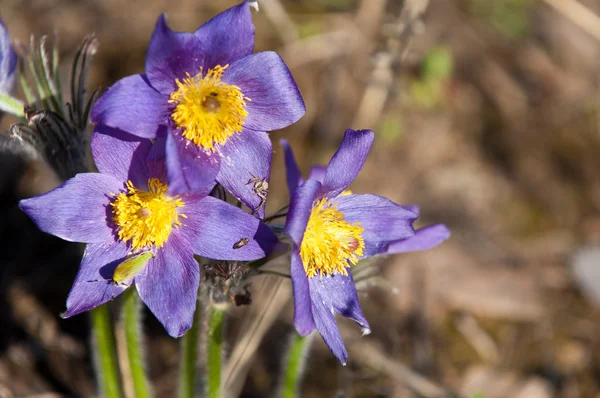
<point>8,61</point>
<point>125,215</point>
<point>331,230</point>
<point>214,100</point>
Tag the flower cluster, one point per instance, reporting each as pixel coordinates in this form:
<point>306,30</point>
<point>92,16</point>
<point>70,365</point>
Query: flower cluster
<point>196,123</point>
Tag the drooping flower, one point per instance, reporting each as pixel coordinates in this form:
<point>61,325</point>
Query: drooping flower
<point>214,100</point>
<point>331,230</point>
<point>138,233</point>
<point>8,61</point>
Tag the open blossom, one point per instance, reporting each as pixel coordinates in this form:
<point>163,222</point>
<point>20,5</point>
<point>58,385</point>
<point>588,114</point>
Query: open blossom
<point>138,233</point>
<point>332,229</point>
<point>8,61</point>
<point>214,100</point>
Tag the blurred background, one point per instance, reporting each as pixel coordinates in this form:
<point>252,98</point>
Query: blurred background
<point>487,115</point>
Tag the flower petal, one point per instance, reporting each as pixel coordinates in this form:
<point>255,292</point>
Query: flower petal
<point>346,162</point>
<point>8,61</point>
<point>171,55</point>
<point>213,227</point>
<point>228,36</point>
<point>132,105</point>
<point>189,169</point>
<point>300,208</point>
<point>424,239</point>
<point>169,285</point>
<point>293,175</point>
<point>383,220</point>
<point>303,317</point>
<point>330,295</point>
<point>121,155</point>
<point>245,156</point>
<point>275,101</point>
<point>318,173</point>
<point>78,210</point>
<point>93,286</point>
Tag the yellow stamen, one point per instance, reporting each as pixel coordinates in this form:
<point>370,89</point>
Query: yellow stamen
<point>330,244</point>
<point>208,110</point>
<point>146,217</point>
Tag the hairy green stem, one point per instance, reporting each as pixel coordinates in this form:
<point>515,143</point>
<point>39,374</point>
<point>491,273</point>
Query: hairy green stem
<point>214,352</point>
<point>131,326</point>
<point>188,359</point>
<point>294,365</point>
<point>103,343</point>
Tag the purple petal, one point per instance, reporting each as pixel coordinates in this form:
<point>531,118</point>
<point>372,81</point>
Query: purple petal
<point>300,208</point>
<point>132,105</point>
<point>412,208</point>
<point>294,177</point>
<point>383,220</point>
<point>227,37</point>
<point>303,318</point>
<point>121,155</point>
<point>190,169</point>
<point>8,61</point>
<point>171,55</point>
<point>93,286</point>
<point>213,227</point>
<point>78,210</point>
<point>424,239</point>
<point>318,173</point>
<point>346,162</point>
<point>275,101</point>
<point>245,156</point>
<point>169,285</point>
<point>157,157</point>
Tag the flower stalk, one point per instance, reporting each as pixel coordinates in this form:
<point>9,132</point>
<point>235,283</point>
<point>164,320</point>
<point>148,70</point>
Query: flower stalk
<point>103,343</point>
<point>131,325</point>
<point>214,351</point>
<point>294,365</point>
<point>188,359</point>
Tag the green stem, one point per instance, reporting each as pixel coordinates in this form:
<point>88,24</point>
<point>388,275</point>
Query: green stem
<point>294,366</point>
<point>188,359</point>
<point>131,326</point>
<point>214,351</point>
<point>11,105</point>
<point>104,347</point>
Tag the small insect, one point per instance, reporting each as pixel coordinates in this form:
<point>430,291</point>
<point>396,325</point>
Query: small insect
<point>261,188</point>
<point>241,243</point>
<point>129,269</point>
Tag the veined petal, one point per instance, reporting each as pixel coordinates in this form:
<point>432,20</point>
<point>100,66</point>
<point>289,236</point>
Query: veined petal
<point>78,210</point>
<point>8,61</point>
<point>293,175</point>
<point>318,173</point>
<point>424,239</point>
<point>213,227</point>
<point>275,101</point>
<point>227,37</point>
<point>245,166</point>
<point>300,208</point>
<point>169,285</point>
<point>346,162</point>
<point>190,169</point>
<point>303,317</point>
<point>93,286</point>
<point>383,220</point>
<point>171,55</point>
<point>121,155</point>
<point>132,105</point>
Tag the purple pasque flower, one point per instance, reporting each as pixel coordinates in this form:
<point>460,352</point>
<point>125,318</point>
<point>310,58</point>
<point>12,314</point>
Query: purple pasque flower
<point>214,100</point>
<point>8,61</point>
<point>331,230</point>
<point>124,212</point>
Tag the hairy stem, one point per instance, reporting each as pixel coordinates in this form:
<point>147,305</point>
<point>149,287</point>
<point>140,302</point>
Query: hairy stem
<point>188,359</point>
<point>132,327</point>
<point>214,352</point>
<point>103,343</point>
<point>294,365</point>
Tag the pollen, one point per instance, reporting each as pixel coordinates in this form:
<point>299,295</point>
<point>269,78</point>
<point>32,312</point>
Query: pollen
<point>146,218</point>
<point>207,110</point>
<point>330,244</point>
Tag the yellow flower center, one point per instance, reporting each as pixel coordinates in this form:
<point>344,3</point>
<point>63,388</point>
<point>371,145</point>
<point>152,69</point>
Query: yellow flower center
<point>208,110</point>
<point>330,244</point>
<point>146,218</point>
